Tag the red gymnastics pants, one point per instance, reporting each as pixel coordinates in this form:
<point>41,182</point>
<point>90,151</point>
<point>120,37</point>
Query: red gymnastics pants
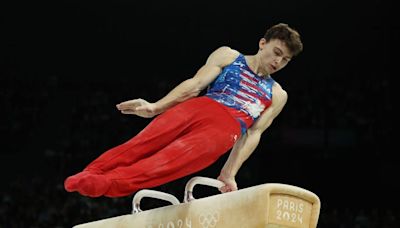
<point>184,139</point>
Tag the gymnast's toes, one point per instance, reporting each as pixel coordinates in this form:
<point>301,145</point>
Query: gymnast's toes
<point>94,185</point>
<point>72,182</point>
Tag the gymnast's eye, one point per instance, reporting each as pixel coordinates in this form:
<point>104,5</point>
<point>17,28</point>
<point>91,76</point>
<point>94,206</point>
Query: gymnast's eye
<point>277,52</point>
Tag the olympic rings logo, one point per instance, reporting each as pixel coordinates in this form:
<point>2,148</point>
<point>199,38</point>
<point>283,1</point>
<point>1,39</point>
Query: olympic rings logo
<point>209,220</point>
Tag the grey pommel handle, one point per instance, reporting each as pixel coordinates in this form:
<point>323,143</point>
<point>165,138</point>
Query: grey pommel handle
<point>151,194</point>
<point>200,180</point>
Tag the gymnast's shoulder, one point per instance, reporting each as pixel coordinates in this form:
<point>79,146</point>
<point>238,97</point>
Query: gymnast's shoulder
<point>224,55</point>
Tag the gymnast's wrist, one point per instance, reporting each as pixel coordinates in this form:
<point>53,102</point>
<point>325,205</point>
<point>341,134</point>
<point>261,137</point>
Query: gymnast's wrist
<point>227,174</point>
<point>158,108</point>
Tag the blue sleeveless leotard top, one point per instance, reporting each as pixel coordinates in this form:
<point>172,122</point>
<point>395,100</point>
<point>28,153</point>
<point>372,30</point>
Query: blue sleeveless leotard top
<point>245,94</point>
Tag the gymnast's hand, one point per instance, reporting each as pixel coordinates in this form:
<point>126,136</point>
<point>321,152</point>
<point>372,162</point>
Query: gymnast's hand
<point>139,107</point>
<point>230,184</point>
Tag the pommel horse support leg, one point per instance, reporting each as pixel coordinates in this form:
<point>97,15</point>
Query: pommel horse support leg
<point>271,205</point>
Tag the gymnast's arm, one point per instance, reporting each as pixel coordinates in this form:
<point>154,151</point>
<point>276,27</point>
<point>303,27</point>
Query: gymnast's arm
<point>189,88</point>
<point>245,146</point>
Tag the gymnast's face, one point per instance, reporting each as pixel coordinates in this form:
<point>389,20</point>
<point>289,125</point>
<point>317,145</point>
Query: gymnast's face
<point>274,55</point>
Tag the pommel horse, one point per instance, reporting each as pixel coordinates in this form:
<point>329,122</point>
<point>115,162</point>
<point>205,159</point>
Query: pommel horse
<point>270,205</point>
